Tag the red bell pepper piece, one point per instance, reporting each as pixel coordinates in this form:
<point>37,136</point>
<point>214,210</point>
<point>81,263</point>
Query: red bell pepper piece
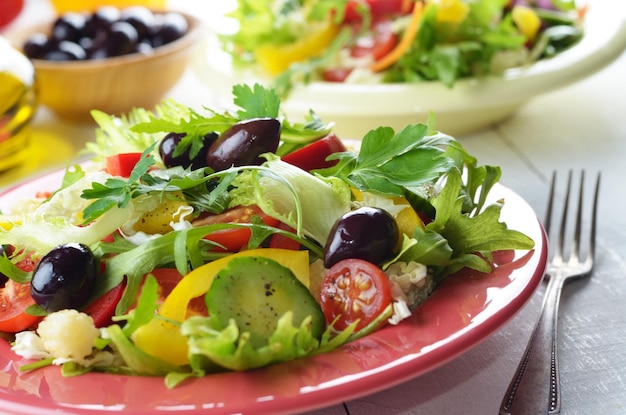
<point>313,156</point>
<point>122,164</point>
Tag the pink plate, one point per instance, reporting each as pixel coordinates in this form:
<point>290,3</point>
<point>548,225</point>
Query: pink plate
<point>463,311</point>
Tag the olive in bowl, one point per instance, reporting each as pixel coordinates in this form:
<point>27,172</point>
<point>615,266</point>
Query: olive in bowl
<point>110,59</point>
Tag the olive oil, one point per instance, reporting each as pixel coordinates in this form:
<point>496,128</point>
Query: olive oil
<point>17,105</point>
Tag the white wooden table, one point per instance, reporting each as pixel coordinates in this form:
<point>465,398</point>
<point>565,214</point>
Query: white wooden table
<point>582,126</point>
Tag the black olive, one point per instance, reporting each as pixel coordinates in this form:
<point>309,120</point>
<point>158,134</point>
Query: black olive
<point>36,46</point>
<point>141,18</point>
<point>168,145</point>
<point>66,51</point>
<point>121,39</point>
<point>367,233</point>
<point>145,48</point>
<point>106,32</point>
<point>101,20</point>
<point>65,277</point>
<point>171,27</point>
<point>243,143</point>
<point>68,26</point>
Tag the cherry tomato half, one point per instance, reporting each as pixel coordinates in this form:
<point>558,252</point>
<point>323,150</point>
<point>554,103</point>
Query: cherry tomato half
<point>14,300</point>
<point>234,239</point>
<point>354,289</point>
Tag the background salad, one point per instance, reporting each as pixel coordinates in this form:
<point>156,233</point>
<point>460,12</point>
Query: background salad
<point>229,241</point>
<point>369,41</point>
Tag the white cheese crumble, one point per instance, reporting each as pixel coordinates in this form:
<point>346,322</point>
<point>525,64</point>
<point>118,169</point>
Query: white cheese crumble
<point>68,334</point>
<point>65,335</point>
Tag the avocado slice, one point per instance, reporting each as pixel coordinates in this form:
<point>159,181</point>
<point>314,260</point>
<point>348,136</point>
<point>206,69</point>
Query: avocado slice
<point>256,292</point>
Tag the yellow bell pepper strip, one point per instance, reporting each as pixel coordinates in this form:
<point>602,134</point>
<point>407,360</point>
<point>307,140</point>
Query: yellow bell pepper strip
<point>407,218</point>
<point>527,21</point>
<point>452,11</point>
<point>405,43</point>
<point>162,339</point>
<point>275,59</point>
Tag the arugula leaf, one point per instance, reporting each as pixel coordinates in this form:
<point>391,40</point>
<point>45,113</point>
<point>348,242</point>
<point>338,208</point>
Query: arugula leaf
<point>116,192</point>
<point>456,237</point>
<point>9,269</point>
<point>147,305</point>
<point>253,101</point>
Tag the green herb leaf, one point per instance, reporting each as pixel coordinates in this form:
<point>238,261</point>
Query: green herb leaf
<point>9,269</point>
<point>387,162</point>
<point>255,102</point>
<point>147,304</point>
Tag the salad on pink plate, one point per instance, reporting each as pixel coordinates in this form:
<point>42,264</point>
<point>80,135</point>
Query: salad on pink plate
<point>200,243</point>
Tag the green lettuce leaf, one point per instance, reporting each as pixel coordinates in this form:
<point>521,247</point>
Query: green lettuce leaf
<point>212,346</point>
<point>308,203</point>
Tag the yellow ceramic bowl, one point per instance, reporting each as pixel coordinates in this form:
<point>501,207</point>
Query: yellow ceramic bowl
<point>62,6</point>
<point>114,85</point>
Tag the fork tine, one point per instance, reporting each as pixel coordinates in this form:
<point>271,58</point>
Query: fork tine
<point>558,249</point>
<point>548,219</point>
<point>594,217</point>
<point>579,217</point>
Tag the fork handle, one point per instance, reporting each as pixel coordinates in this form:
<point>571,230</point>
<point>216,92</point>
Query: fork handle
<point>535,387</point>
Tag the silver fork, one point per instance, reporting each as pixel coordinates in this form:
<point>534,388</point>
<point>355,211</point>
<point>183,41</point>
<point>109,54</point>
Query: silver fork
<point>535,387</point>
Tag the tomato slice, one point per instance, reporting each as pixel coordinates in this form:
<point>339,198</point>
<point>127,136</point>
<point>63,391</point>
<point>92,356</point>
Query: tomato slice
<point>102,309</point>
<point>284,242</point>
<point>313,156</point>
<point>336,74</point>
<point>378,42</point>
<point>168,278</point>
<point>376,8</point>
<point>354,289</point>
<point>122,164</point>
<point>234,239</point>
<point>14,300</point>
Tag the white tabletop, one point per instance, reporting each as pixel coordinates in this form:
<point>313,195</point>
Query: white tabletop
<point>580,127</point>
